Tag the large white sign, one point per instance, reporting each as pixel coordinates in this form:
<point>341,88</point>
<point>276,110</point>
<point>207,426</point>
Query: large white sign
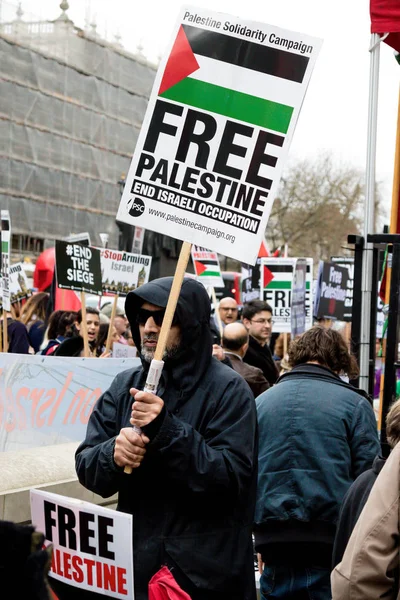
<point>46,400</point>
<point>276,289</point>
<point>92,545</point>
<point>122,271</point>
<point>216,134</point>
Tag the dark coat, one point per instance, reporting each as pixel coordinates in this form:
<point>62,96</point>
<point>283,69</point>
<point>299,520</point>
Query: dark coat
<point>353,503</point>
<point>193,496</point>
<point>261,357</point>
<point>317,434</point>
<point>253,376</point>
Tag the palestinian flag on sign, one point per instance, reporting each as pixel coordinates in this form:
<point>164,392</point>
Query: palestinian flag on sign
<point>230,76</point>
<point>207,268</point>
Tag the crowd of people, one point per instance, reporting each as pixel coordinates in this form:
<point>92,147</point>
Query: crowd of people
<point>241,449</point>
<point>34,329</point>
<point>236,450</point>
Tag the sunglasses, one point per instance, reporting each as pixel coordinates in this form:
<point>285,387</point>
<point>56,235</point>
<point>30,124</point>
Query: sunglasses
<point>157,315</point>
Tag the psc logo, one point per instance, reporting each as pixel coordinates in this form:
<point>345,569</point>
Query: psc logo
<point>137,207</point>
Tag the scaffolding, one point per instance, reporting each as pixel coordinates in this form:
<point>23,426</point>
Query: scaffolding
<point>71,106</point>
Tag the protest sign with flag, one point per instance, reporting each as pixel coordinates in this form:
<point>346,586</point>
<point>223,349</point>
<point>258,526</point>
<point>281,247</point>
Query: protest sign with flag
<point>217,131</point>
<point>276,289</point>
<point>206,267</point>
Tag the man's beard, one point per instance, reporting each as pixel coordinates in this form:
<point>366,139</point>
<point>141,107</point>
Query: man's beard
<point>148,353</point>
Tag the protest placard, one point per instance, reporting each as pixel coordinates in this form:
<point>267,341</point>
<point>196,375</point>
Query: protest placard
<point>276,289</point>
<point>217,130</point>
<point>122,271</point>
<point>19,287</point>
<point>78,267</point>
<point>92,545</point>
<point>207,268</point>
<point>5,272</point>
<point>331,291</point>
<point>348,263</point>
<point>123,351</point>
<point>298,303</point>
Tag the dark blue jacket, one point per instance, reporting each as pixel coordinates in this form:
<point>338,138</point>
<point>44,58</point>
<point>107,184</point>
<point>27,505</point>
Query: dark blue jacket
<point>317,434</point>
<point>193,496</point>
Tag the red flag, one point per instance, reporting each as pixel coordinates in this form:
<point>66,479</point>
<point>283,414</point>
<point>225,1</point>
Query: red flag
<point>385,18</point>
<point>163,586</point>
<point>263,252</point>
<point>276,253</point>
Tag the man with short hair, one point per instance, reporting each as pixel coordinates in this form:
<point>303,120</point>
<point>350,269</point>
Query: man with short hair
<point>235,343</point>
<point>257,318</point>
<point>316,435</point>
<point>228,310</point>
<point>192,489</point>
<point>228,313</point>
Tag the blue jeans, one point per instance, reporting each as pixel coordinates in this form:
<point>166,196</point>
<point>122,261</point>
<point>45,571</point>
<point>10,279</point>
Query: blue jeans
<point>295,583</point>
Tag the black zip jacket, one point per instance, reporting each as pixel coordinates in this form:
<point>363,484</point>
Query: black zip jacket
<point>193,496</point>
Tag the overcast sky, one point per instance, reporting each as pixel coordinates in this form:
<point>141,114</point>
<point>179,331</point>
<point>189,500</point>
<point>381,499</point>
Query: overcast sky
<point>335,110</point>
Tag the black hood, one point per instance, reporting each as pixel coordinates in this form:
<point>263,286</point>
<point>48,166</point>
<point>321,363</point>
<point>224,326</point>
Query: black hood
<point>193,309</point>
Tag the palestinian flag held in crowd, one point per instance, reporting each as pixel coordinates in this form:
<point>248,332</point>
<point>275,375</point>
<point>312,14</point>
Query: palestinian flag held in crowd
<point>206,267</point>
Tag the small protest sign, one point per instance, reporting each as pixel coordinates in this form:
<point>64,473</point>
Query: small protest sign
<point>79,238</point>
<point>276,282</point>
<point>206,267</point>
<point>5,259</point>
<point>348,263</point>
<point>19,287</point>
<point>217,130</point>
<point>92,545</point>
<point>298,304</point>
<point>123,351</point>
<point>331,291</point>
<point>78,267</point>
<point>122,271</point>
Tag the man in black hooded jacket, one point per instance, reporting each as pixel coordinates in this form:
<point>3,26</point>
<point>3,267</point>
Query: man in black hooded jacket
<point>192,489</point>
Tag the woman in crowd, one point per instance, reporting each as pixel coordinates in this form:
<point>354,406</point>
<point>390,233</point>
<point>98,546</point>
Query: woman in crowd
<point>102,338</point>
<point>33,316</point>
<point>60,327</point>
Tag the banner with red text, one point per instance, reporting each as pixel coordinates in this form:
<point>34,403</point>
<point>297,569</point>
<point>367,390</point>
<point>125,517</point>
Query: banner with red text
<point>46,400</point>
<point>92,545</point>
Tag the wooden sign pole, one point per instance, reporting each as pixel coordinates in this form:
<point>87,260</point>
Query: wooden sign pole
<point>155,366</point>
<point>216,311</point>
<point>5,332</point>
<point>86,352</point>
<point>110,326</point>
<point>285,344</point>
